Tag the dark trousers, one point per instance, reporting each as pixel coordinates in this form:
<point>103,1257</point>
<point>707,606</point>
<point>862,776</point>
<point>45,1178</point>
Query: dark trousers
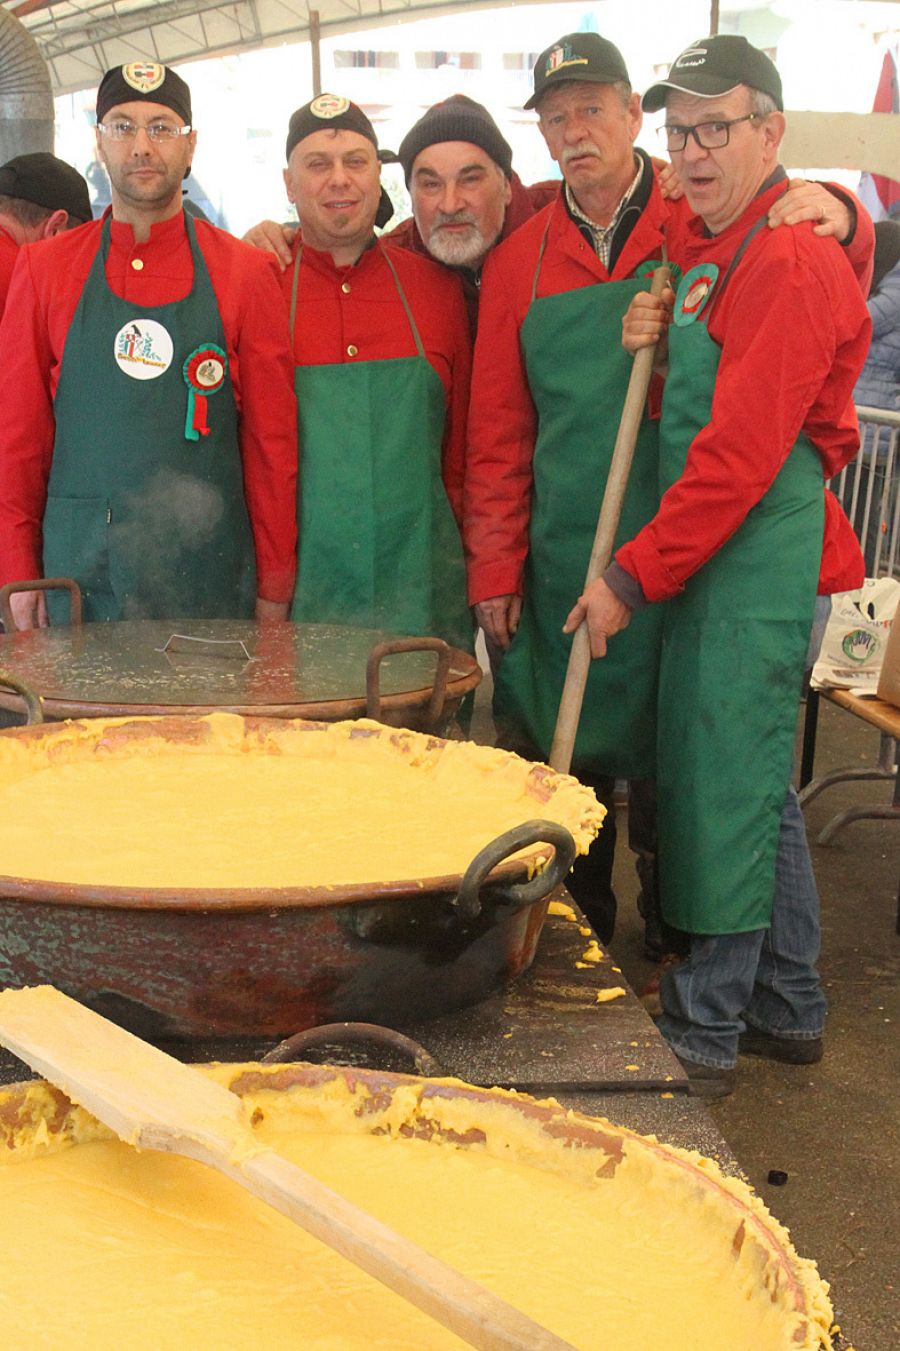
<point>590,881</point>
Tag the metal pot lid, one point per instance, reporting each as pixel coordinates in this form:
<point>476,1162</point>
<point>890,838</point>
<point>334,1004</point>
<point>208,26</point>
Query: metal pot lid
<point>138,665</point>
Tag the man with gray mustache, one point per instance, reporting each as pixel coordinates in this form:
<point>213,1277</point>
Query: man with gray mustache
<point>546,400</point>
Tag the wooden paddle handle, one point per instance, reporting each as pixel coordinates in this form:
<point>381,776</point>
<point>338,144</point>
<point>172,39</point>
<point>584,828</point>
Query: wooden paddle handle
<point>604,539</point>
<point>453,1300</point>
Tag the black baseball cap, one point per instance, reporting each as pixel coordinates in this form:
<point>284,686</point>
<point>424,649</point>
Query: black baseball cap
<point>46,181</point>
<point>716,65</point>
<point>577,56</point>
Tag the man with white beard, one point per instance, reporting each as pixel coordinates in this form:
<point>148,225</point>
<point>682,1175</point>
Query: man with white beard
<point>465,195</point>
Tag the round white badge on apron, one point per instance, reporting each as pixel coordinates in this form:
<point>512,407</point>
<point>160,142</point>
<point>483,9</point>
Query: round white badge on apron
<point>143,349</point>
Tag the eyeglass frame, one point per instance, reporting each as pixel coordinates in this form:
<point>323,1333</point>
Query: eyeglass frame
<point>668,128</point>
<point>165,132</point>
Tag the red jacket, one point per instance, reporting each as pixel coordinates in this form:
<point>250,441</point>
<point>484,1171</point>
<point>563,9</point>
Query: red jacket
<point>794,331</point>
<point>9,252</point>
<point>360,307</point>
<point>46,287</point>
<point>502,417</point>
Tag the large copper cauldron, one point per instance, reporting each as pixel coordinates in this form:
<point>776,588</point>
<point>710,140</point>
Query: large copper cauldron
<point>182,962</point>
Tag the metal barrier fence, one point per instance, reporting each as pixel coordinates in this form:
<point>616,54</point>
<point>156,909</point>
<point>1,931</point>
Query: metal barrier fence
<point>869,491</point>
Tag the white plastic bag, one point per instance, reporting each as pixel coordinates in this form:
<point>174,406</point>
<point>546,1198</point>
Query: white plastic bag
<point>855,639</point>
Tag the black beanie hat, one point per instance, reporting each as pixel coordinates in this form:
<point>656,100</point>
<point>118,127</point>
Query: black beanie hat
<point>46,181</point>
<point>328,112</point>
<point>144,80</point>
<point>456,119</point>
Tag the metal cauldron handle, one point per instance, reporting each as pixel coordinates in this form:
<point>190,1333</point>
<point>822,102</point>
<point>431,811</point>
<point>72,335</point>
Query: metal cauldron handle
<point>34,709</point>
<point>393,645</point>
<point>468,899</point>
<point>42,584</point>
<point>294,1048</point>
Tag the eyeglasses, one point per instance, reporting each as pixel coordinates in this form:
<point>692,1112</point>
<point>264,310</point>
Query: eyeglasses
<point>122,129</point>
<point>708,135</point>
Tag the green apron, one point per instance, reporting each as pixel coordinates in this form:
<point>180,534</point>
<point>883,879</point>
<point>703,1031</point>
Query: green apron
<point>378,544</point>
<point>150,524</point>
<point>732,663</point>
<point>578,372</point>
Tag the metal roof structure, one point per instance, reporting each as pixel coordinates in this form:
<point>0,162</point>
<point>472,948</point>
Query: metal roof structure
<point>80,39</point>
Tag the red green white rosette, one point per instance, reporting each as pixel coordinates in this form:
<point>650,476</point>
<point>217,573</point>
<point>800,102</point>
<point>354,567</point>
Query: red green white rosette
<point>204,374</point>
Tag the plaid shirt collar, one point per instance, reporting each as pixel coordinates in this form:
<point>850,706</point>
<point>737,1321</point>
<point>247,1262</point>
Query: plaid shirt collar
<point>601,235</point>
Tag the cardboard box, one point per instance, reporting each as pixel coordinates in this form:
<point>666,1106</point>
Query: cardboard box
<point>889,679</point>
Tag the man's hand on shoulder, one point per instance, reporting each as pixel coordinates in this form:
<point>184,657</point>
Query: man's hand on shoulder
<point>811,201</point>
<point>273,238</point>
<point>669,182</point>
<point>29,609</point>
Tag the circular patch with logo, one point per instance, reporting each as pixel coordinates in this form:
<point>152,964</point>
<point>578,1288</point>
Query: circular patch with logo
<point>143,349</point>
<point>859,645</point>
<point>694,291</point>
<point>328,106</point>
<point>144,76</point>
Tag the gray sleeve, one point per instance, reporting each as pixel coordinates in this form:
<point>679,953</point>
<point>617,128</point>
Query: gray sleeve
<point>625,587</point>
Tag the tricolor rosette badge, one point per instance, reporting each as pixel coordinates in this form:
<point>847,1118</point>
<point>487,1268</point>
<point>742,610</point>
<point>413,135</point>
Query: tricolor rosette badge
<point>204,374</point>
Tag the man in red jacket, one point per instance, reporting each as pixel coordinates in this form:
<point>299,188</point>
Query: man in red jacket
<point>547,393</point>
<point>769,333</point>
<point>382,360</point>
<point>548,387</point>
<point>148,444</point>
<point>40,196</point>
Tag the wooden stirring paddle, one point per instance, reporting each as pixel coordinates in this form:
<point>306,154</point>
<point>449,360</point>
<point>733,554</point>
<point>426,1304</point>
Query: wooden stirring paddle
<point>152,1101</point>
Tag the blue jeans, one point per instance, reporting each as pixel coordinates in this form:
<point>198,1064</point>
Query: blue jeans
<point>765,979</point>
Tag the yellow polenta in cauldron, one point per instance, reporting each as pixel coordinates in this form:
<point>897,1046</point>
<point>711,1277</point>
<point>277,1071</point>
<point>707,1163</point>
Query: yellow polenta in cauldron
<point>615,1242</point>
<point>224,801</point>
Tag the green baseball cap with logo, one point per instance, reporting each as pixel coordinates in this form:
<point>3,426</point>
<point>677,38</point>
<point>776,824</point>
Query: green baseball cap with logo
<point>714,66</point>
<point>577,56</point>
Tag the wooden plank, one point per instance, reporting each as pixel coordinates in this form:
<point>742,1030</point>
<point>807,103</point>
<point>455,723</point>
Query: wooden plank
<point>879,714</point>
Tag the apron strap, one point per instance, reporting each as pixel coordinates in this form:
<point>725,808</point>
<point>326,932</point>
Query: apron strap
<point>297,256</point>
<point>405,303</point>
<point>540,258</point>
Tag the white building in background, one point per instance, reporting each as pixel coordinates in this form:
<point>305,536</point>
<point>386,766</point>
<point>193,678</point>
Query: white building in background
<point>829,53</point>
